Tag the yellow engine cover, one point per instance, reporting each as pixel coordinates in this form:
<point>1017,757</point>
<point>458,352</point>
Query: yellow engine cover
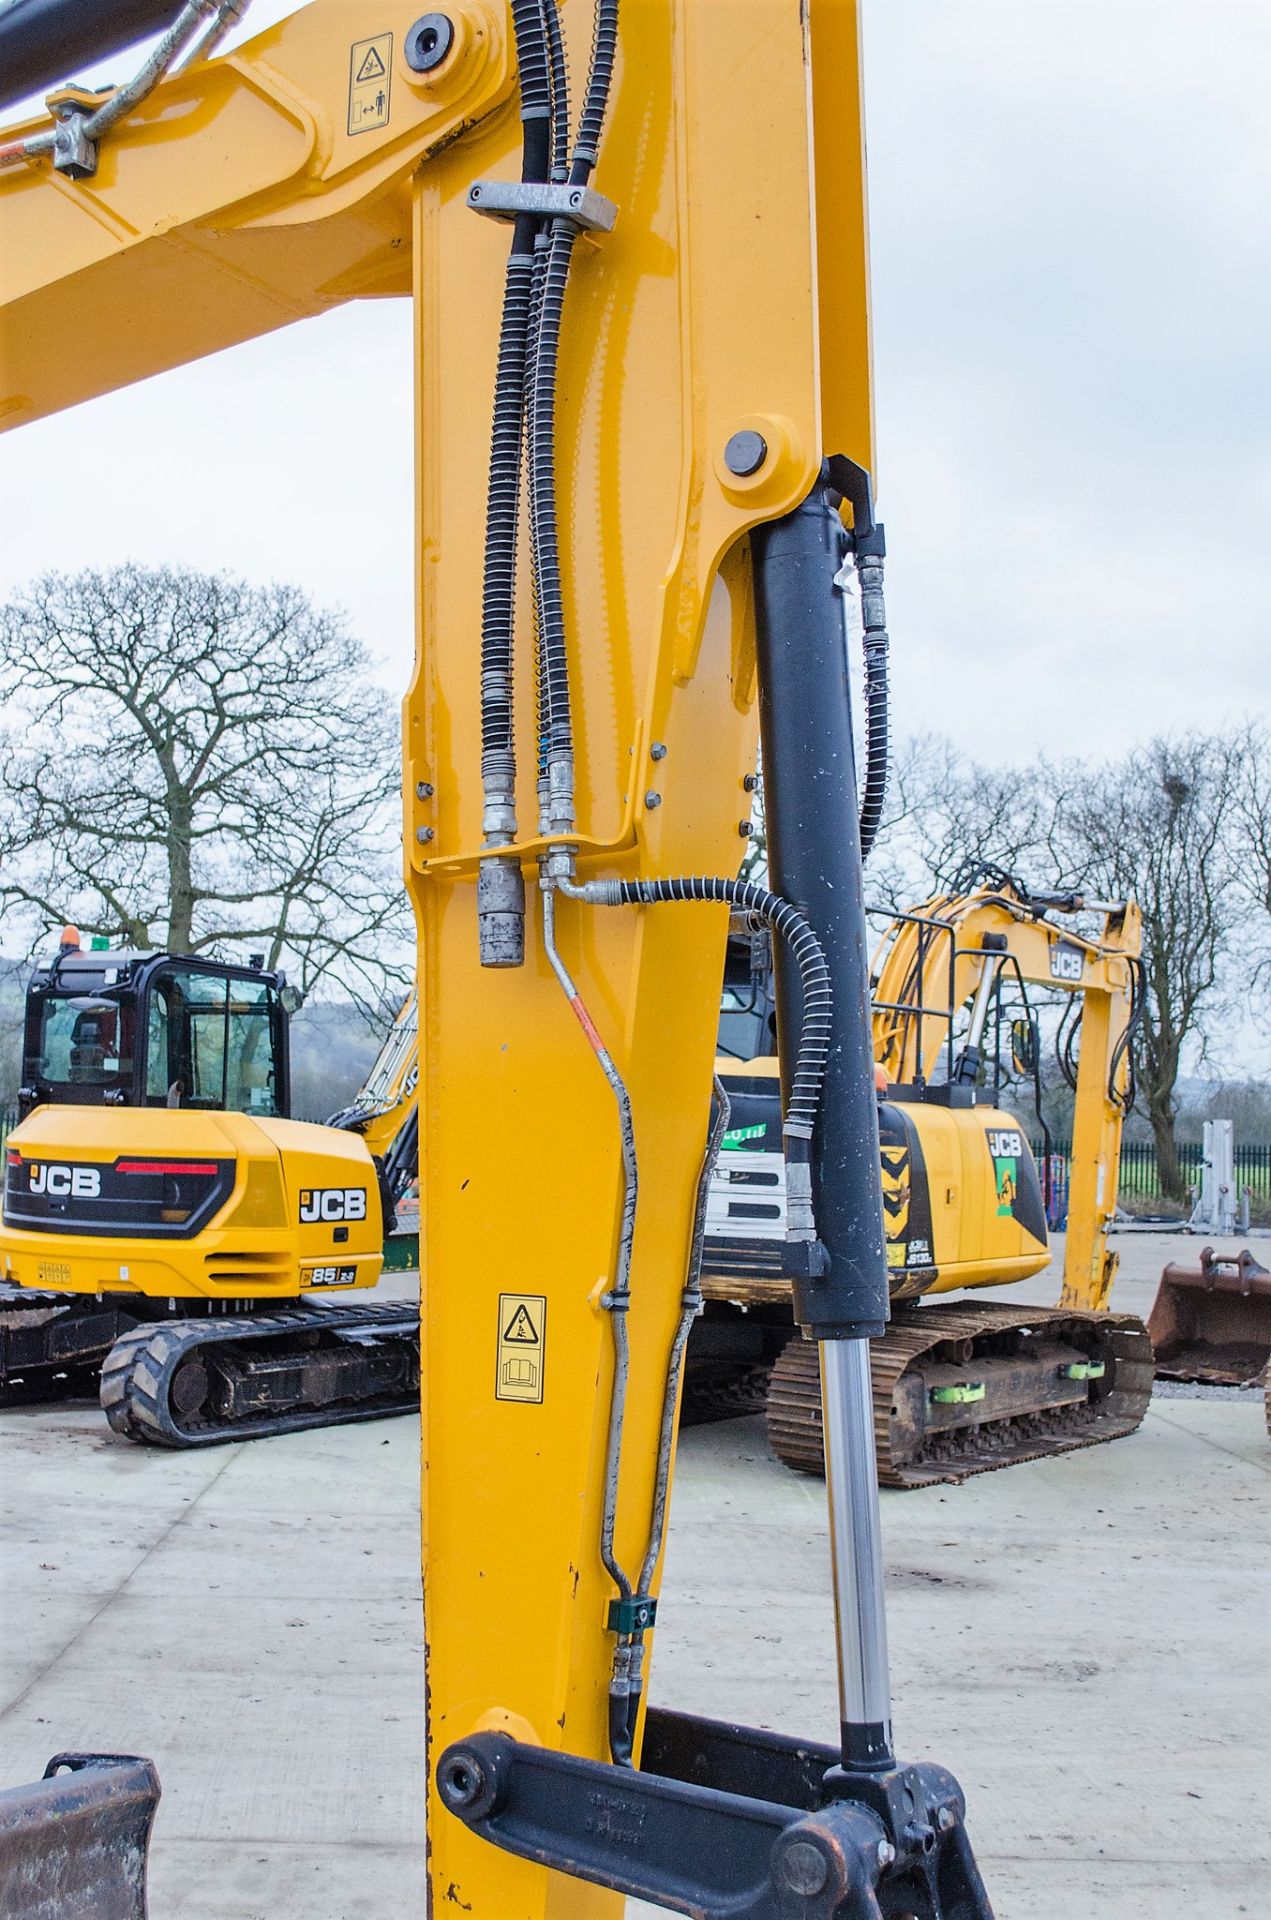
<point>962,1201</point>
<point>188,1205</point>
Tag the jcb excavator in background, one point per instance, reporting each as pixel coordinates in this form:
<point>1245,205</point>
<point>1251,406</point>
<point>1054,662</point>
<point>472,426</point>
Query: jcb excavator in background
<point>166,1222</point>
<point>673,357</point>
<point>962,1388</point>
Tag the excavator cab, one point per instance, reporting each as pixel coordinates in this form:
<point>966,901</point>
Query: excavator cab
<point>747,1008</point>
<point>117,1027</point>
<point>166,1223</point>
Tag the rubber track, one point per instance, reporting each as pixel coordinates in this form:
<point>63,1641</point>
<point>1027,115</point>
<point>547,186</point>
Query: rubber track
<point>137,1374</point>
<point>794,1394</point>
<point>41,1385</point>
<point>27,1300</point>
<point>722,1390</point>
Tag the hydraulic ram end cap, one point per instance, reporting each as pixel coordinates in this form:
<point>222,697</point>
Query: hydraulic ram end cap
<point>44,42</point>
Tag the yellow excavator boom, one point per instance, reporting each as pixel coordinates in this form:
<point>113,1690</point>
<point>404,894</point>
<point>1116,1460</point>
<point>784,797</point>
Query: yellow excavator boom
<point>687,293</point>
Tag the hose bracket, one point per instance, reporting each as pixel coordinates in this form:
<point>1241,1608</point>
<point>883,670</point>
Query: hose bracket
<point>508,199</point>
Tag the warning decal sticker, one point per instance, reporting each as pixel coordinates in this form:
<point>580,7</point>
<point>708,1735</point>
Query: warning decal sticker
<point>369,82</point>
<point>521,1347</point>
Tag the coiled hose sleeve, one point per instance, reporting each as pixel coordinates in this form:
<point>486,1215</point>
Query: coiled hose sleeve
<point>596,98</point>
<point>560,92</point>
<point>816,1026</point>
<point>532,60</point>
<point>869,572</point>
<point>498,600</point>
<point>555,726</point>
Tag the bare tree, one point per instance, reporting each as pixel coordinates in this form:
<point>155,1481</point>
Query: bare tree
<point>192,762</point>
<point>946,811</point>
<point>1157,826</point>
<point>1251,815</point>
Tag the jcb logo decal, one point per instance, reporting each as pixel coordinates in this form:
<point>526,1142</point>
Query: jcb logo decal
<point>80,1183</point>
<point>332,1203</point>
<point>1066,962</point>
<point>1006,1143</point>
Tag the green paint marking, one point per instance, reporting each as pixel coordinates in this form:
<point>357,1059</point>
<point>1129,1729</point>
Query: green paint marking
<point>737,1136</point>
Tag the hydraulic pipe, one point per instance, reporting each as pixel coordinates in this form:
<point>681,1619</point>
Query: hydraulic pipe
<point>44,42</point>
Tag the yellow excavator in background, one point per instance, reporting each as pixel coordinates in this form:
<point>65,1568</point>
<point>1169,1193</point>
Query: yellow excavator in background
<point>168,1225</point>
<point>657,399</point>
<point>962,1388</point>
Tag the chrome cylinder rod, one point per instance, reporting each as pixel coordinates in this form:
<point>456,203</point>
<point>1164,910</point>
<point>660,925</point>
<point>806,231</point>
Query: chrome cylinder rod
<point>857,1553</point>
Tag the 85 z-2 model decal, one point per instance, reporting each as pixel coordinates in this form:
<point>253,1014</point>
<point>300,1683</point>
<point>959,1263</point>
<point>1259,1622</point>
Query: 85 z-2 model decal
<point>330,1276</point>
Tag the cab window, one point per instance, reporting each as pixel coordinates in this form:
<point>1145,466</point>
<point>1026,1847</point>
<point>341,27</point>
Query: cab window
<point>212,1043</point>
<point>85,1041</point>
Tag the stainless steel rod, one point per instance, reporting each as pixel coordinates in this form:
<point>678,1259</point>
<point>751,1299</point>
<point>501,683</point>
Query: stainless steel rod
<point>856,1545</point>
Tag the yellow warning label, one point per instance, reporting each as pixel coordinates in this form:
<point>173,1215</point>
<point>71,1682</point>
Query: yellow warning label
<point>522,1344</point>
<point>369,81</point>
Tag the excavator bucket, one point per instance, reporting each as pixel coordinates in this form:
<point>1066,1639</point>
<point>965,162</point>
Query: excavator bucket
<point>1213,1322</point>
<point>73,1846</point>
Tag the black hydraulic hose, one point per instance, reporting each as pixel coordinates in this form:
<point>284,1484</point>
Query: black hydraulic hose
<point>816,1028</point>
<point>498,742</point>
<point>1066,1039</point>
<point>555,726</point>
<point>869,568</point>
<point>531,60</point>
<point>604,46</point>
<point>560,92</point>
<point>401,1160</point>
<point>1124,1048</point>
<point>44,41</point>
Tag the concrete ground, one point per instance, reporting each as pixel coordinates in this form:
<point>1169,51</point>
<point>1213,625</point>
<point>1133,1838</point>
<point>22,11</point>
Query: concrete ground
<point>1086,1641</point>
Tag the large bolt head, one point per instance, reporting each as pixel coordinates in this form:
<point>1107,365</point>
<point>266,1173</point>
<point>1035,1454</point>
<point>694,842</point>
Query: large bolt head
<point>804,1869</point>
<point>429,41</point>
<point>745,453</point>
<point>460,1780</point>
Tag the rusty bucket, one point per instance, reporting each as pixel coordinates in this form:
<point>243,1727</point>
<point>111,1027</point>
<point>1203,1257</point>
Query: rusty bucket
<point>1213,1322</point>
<point>74,1845</point>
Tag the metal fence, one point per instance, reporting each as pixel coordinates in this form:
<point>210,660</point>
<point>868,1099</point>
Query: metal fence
<point>1140,1175</point>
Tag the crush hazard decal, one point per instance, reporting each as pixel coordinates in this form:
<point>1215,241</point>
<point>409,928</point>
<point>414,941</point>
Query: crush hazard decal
<point>1019,1194</point>
<point>370,81</point>
<point>522,1347</point>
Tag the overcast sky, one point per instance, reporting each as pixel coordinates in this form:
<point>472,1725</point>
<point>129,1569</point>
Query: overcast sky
<point>1072,285</point>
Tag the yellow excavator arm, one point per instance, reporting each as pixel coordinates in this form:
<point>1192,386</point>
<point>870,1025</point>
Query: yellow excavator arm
<point>385,1108</point>
<point>949,953</point>
<point>674,356</point>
